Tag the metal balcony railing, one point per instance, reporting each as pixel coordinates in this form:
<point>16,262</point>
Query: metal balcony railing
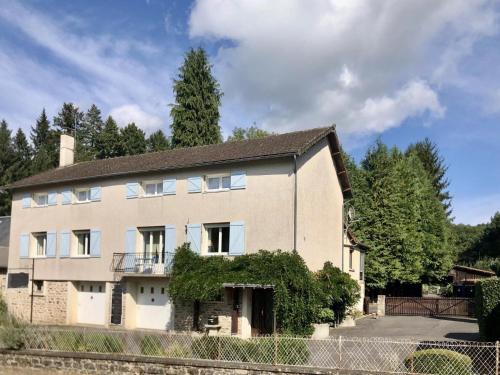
<point>139,264</point>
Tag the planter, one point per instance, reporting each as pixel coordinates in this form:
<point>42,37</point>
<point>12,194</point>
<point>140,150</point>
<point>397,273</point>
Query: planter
<point>321,331</point>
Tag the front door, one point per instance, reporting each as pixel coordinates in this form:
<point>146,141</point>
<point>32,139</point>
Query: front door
<point>236,311</point>
<point>154,308</point>
<point>262,312</point>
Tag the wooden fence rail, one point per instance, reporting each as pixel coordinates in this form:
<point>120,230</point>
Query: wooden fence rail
<point>421,306</point>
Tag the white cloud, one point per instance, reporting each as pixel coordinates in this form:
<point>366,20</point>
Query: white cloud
<point>366,65</point>
<point>475,210</point>
<point>126,114</point>
<point>106,70</point>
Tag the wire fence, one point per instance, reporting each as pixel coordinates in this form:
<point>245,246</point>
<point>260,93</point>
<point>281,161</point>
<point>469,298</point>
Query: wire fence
<point>345,353</point>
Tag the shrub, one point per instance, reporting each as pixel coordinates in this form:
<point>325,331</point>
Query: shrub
<point>281,350</point>
<point>67,341</point>
<point>12,335</point>
<point>151,345</point>
<point>325,315</point>
<point>488,308</point>
<point>439,362</point>
<point>339,291</point>
<point>176,351</point>
<point>102,343</point>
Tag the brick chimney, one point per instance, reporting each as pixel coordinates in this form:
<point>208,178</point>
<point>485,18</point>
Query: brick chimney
<point>66,150</point>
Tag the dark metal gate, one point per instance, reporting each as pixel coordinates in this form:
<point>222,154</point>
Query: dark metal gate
<point>421,306</point>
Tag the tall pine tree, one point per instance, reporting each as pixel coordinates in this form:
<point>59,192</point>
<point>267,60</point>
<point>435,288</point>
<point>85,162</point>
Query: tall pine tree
<point>133,140</point>
<point>89,133</point>
<point>6,159</point>
<point>45,145</point>
<point>195,113</point>
<point>157,142</point>
<point>21,164</point>
<point>109,142</point>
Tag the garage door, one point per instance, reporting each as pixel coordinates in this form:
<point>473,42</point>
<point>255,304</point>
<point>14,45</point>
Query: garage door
<point>92,303</point>
<point>154,308</point>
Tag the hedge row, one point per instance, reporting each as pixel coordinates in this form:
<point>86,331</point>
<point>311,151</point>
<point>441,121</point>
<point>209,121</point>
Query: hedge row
<point>488,309</point>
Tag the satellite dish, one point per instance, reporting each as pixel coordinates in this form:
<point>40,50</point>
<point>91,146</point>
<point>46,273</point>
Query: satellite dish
<point>351,213</point>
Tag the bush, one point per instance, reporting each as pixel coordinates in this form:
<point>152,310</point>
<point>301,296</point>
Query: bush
<point>12,335</point>
<point>102,343</point>
<point>151,345</point>
<point>439,362</point>
<point>340,292</point>
<point>488,308</point>
<point>281,350</point>
<point>67,341</point>
<point>325,315</point>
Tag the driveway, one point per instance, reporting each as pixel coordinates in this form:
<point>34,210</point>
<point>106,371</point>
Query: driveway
<point>418,327</point>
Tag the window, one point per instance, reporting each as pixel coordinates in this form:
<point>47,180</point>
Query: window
<point>152,189</point>
<point>362,265</point>
<point>40,244</point>
<point>82,242</point>
<point>154,249</point>
<point>351,252</point>
<point>218,183</point>
<point>82,195</point>
<point>42,199</point>
<point>218,239</point>
<point>38,286</point>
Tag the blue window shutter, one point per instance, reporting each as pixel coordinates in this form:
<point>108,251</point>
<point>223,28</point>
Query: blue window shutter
<point>24,242</point>
<point>65,242</point>
<point>66,196</point>
<point>170,238</point>
<point>95,243</point>
<point>52,198</point>
<point>237,238</point>
<point>130,240</point>
<point>51,244</point>
<point>238,180</point>
<point>194,184</point>
<point>169,186</point>
<point>132,190</point>
<point>27,200</point>
<point>95,193</point>
<point>194,237</point>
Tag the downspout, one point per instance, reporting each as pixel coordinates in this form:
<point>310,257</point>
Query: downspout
<point>295,202</point>
<point>344,231</point>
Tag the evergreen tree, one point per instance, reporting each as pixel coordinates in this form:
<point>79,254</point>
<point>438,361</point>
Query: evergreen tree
<point>21,164</point>
<point>89,133</point>
<point>45,145</point>
<point>253,132</point>
<point>157,142</point>
<point>133,140</point>
<point>428,153</point>
<point>109,143</point>
<point>68,120</point>
<point>195,113</point>
<point>6,159</point>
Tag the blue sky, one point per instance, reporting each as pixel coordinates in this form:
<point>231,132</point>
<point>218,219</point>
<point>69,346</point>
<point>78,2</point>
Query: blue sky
<point>400,71</point>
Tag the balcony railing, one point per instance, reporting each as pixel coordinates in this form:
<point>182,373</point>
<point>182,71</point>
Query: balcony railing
<point>142,265</point>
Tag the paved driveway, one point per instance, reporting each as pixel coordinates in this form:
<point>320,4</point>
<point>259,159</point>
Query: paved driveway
<point>418,327</point>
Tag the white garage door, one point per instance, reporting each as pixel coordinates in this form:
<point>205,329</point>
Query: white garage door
<point>154,308</point>
<point>92,303</point>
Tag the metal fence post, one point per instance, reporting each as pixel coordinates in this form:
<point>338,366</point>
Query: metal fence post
<point>497,364</point>
<point>340,351</point>
<point>275,336</point>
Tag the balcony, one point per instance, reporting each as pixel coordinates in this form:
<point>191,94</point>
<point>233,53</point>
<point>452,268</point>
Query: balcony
<point>140,265</point>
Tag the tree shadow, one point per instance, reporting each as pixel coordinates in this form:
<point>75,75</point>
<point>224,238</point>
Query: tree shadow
<point>463,336</point>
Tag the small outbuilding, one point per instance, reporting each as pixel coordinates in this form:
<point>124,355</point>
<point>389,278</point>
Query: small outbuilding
<point>464,279</point>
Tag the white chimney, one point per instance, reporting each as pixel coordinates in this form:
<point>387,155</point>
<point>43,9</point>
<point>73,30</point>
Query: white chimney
<point>66,150</point>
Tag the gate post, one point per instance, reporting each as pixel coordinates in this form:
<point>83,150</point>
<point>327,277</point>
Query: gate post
<point>497,361</point>
<point>381,305</point>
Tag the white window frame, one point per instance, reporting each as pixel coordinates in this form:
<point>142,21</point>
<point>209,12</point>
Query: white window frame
<point>208,228</point>
<point>220,178</point>
<point>76,233</point>
<point>38,196</point>
<point>81,190</point>
<point>36,250</point>
<point>149,231</point>
<point>158,184</point>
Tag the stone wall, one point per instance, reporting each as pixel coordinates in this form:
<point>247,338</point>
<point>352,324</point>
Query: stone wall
<point>49,306</point>
<point>103,364</point>
<point>183,319</point>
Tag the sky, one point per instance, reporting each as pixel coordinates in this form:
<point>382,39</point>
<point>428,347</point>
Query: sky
<point>398,71</point>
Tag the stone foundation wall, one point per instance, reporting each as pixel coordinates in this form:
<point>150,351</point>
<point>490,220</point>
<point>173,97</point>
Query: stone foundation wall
<point>49,306</point>
<point>183,315</point>
<point>87,363</point>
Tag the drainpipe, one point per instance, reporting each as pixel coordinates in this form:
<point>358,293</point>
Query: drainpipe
<point>295,202</point>
<point>344,231</point>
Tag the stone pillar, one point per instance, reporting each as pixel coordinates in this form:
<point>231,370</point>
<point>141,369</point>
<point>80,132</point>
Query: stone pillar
<point>246,313</point>
<point>381,305</point>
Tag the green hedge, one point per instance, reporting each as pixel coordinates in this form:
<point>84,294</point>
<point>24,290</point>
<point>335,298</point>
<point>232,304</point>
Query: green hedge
<point>280,350</point>
<point>488,309</point>
<point>151,345</point>
<point>439,362</point>
<point>69,341</point>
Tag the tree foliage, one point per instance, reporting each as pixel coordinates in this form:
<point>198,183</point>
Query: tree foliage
<point>195,113</point>
<point>45,142</point>
<point>157,141</point>
<point>109,141</point>
<point>133,140</point>
<point>253,132</point>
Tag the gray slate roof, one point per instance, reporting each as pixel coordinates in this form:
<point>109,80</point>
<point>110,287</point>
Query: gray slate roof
<point>274,146</point>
